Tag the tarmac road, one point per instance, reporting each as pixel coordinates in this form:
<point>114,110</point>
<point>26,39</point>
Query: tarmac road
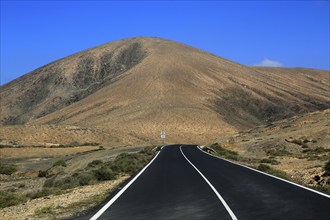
<point>183,182</point>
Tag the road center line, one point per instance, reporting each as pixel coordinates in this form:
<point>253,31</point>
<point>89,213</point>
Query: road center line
<point>231,213</point>
<point>106,206</point>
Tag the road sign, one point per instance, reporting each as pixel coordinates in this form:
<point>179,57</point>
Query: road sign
<point>162,134</point>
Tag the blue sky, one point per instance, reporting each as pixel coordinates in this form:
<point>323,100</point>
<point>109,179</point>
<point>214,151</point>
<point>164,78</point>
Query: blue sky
<point>275,33</point>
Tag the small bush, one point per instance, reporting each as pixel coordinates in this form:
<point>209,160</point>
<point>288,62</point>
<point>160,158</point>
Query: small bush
<point>276,153</point>
<point>327,168</point>
<point>267,169</point>
<point>59,163</point>
<point>95,163</point>
<point>42,173</point>
<point>301,141</point>
<point>68,182</point>
<point>74,144</point>
<point>7,169</point>
<point>50,182</point>
<point>86,179</point>
<point>90,144</point>
<point>223,152</point>
<point>318,150</point>
<point>20,185</point>
<point>298,142</point>
<point>44,192</point>
<point>125,163</point>
<point>306,141</point>
<point>147,151</point>
<point>104,173</point>
<point>270,161</point>
<point>263,167</point>
<point>10,199</point>
<point>304,146</point>
<point>44,210</point>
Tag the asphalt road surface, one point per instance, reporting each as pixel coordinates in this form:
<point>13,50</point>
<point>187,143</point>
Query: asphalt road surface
<point>182,182</point>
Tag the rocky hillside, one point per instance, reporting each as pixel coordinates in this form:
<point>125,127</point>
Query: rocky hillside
<point>61,83</point>
<point>140,86</point>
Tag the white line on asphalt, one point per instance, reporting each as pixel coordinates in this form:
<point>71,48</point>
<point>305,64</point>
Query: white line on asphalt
<point>106,206</point>
<point>231,213</point>
<point>250,168</point>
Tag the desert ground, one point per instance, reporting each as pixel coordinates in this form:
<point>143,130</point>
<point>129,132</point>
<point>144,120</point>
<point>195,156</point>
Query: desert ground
<point>298,146</point>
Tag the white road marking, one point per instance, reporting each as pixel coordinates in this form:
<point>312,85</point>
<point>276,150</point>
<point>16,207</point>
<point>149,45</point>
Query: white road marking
<point>250,168</point>
<point>231,213</point>
<point>106,206</point>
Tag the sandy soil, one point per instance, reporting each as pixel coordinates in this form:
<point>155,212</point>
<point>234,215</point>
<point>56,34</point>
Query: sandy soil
<point>302,166</point>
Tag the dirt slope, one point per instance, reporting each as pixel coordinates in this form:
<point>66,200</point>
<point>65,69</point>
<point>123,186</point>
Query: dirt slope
<point>299,146</point>
<point>140,86</point>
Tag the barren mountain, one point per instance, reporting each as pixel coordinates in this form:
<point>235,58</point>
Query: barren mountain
<point>137,87</point>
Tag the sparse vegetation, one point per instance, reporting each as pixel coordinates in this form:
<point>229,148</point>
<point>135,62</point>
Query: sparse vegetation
<point>85,179</point>
<point>304,146</point>
<point>7,169</point>
<point>75,144</point>
<point>223,152</point>
<point>104,173</point>
<point>95,163</point>
<point>44,210</point>
<point>319,153</point>
<point>270,161</point>
<point>10,199</point>
<point>97,170</point>
<point>5,146</point>
<point>44,192</point>
<point>130,163</point>
<point>42,173</point>
<point>125,163</point>
<point>327,168</point>
<point>298,142</point>
<point>67,182</point>
<point>267,169</point>
<point>302,141</point>
<point>279,152</point>
<point>318,150</point>
<point>59,163</point>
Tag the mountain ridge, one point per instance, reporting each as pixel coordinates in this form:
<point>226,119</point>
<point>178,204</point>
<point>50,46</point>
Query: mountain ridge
<point>139,86</point>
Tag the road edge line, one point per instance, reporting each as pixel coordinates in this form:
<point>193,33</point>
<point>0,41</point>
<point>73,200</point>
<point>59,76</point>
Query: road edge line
<point>106,206</point>
<point>230,212</point>
<point>276,177</point>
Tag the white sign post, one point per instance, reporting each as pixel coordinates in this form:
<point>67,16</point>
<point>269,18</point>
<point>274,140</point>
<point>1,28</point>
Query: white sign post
<point>163,136</point>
